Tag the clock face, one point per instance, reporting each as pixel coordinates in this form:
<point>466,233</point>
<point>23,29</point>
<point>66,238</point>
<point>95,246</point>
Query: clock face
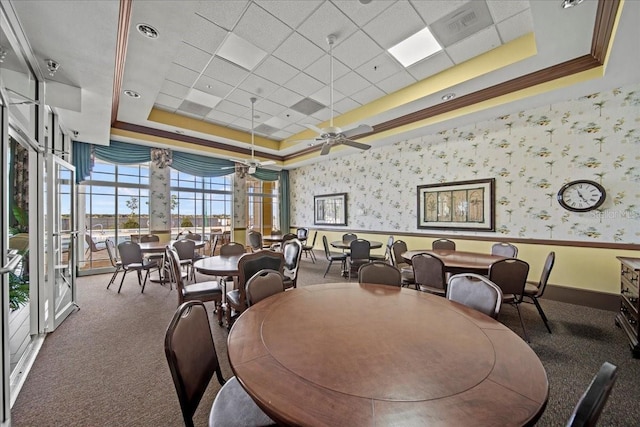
<point>581,196</point>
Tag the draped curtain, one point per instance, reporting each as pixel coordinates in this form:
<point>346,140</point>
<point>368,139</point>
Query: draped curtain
<point>284,201</point>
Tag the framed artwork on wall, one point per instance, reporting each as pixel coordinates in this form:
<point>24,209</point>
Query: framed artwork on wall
<point>330,209</point>
<point>464,205</point>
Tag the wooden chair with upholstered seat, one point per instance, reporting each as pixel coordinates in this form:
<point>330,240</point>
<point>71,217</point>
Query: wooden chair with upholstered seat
<point>429,274</point>
<point>192,359</point>
<point>332,256</point>
<point>510,274</point>
<point>379,272</point>
<point>262,285</point>
<point>504,249</point>
<point>248,265</point>
<point>592,402</point>
<point>535,290</point>
<point>443,244</point>
<point>475,291</point>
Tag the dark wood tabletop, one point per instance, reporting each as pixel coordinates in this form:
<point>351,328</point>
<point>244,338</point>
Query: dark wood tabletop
<point>156,247</point>
<point>369,355</point>
<point>346,245</point>
<point>459,261</point>
<point>219,265</point>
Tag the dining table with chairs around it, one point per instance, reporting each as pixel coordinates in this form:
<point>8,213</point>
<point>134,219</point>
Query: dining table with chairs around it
<point>342,354</point>
<point>458,261</point>
<point>159,248</point>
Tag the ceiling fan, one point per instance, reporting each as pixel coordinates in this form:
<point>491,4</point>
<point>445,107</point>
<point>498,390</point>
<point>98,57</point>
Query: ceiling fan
<point>252,163</point>
<point>333,135</point>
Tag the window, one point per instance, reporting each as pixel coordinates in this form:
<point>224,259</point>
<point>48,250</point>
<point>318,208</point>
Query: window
<point>263,209</point>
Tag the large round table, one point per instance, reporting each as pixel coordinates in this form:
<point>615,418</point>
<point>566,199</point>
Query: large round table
<point>458,261</point>
<point>365,355</point>
<point>346,245</point>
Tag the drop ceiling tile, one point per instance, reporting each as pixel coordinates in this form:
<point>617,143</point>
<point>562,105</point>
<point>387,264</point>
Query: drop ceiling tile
<point>192,58</point>
<point>362,13</point>
<point>241,97</point>
<point>258,86</point>
<point>275,70</point>
<point>367,95</point>
<point>269,107</point>
<point>396,24</point>
<point>224,13</point>
<point>193,109</point>
<point>174,89</point>
<point>379,68</point>
<point>241,52</point>
<point>285,96</point>
<point>281,134</point>
<point>351,83</point>
<point>262,29</point>
<point>295,128</point>
<point>197,115</point>
<point>430,66</point>
<point>298,51</point>
<point>327,19</point>
<point>202,98</point>
<point>321,69</point>
<point>204,34</point>
<point>277,122</point>
<point>324,95</point>
<point>322,115</point>
<point>220,117</point>
<point>431,11</point>
<point>212,86</point>
<point>231,108</point>
<point>396,82</point>
<point>356,50</point>
<point>179,74</point>
<point>516,26</point>
<point>292,116</point>
<point>482,41</point>
<point>503,9</point>
<point>167,102</point>
<point>225,71</point>
<point>165,108</point>
<point>304,84</point>
<point>290,12</point>
<point>345,105</point>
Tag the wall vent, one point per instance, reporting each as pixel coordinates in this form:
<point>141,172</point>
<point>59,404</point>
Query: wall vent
<point>462,23</point>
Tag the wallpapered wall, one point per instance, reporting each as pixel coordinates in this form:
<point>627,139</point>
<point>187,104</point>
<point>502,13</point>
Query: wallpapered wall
<point>531,154</point>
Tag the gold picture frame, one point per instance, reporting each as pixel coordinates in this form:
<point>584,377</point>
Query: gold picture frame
<point>464,205</point>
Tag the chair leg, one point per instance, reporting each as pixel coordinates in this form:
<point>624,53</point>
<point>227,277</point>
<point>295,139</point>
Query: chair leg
<point>524,330</point>
<point>218,305</point>
<point>544,317</point>
<point>113,278</point>
<point>328,267</point>
<point>313,256</point>
<point>122,280</point>
<point>146,276</point>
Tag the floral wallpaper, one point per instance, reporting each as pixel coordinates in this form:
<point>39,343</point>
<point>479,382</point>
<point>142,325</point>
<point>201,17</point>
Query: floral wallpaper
<point>531,154</point>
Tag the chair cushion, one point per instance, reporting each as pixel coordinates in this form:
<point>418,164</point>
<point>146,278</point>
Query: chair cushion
<point>195,290</point>
<point>531,288</point>
<point>432,290</point>
<point>406,273</point>
<point>233,407</point>
<point>233,297</point>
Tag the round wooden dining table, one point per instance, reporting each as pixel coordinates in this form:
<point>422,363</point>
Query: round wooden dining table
<point>158,247</point>
<point>346,245</point>
<point>219,265</point>
<point>371,355</point>
<point>459,261</point>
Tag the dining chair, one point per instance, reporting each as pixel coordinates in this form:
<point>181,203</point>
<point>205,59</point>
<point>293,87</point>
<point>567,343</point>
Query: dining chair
<point>397,249</point>
<point>232,248</point>
<point>385,256</point>
<point>192,359</point>
<point>535,290</point>
<point>302,233</point>
<point>132,260</point>
<point>255,240</point>
<point>308,249</point>
<point>292,251</point>
<point>214,244</point>
<point>262,285</point>
<point>504,249</point>
<point>248,265</point>
<point>193,236</point>
<point>186,250</point>
<point>588,409</point>
<point>93,246</point>
<point>154,257</point>
<point>348,237</point>
<point>379,272</point>
<point>113,258</point>
<point>510,274</point>
<point>332,256</point>
<point>359,254</point>
<point>443,244</point>
<point>475,291</point>
<point>429,274</point>
<point>210,290</point>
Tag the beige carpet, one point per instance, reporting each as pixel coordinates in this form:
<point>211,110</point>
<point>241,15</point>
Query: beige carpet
<point>105,364</point>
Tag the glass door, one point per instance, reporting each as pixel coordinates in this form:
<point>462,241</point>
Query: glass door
<point>61,232</point>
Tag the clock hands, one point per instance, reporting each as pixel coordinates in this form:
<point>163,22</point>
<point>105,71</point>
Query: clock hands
<point>580,195</point>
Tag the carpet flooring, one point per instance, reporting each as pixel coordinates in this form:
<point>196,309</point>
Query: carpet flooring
<point>105,365</point>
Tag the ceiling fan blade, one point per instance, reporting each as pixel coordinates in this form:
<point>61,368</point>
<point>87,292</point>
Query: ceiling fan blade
<point>355,144</point>
<point>267,163</point>
<point>313,127</point>
<point>326,147</point>
<point>357,131</point>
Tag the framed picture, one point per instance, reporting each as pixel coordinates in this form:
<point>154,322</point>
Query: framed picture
<point>465,205</point>
<point>330,209</point>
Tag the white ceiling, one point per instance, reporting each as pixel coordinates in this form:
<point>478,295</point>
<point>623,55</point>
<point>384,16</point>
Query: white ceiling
<point>181,74</point>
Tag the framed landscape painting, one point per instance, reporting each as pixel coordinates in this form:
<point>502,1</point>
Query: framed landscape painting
<point>330,209</point>
<point>464,205</point>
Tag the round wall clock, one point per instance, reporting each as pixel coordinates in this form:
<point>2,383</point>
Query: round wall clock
<point>581,195</point>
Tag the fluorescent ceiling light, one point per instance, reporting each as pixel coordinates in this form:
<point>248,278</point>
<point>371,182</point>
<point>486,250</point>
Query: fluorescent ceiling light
<point>202,98</point>
<point>415,48</point>
<point>241,52</point>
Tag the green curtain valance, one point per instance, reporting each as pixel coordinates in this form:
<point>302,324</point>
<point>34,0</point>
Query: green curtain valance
<point>122,153</point>
<point>197,165</point>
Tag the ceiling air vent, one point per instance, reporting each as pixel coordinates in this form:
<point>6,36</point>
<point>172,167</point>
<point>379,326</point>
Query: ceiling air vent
<point>307,106</point>
<point>193,108</point>
<point>461,23</point>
